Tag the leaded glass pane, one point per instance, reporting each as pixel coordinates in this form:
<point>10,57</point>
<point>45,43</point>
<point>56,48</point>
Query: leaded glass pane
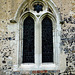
<point>47,40</point>
<point>28,40</point>
<point>38,8</point>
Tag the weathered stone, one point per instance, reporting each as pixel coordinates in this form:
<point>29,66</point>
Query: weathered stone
<point>9,33</point>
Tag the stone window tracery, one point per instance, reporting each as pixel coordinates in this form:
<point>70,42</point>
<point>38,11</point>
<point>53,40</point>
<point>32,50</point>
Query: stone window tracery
<point>38,8</point>
<point>45,25</point>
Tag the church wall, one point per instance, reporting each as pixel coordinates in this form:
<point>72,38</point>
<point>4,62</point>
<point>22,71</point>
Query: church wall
<point>9,38</point>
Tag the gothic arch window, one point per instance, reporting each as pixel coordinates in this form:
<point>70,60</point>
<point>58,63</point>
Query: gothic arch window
<point>28,40</point>
<point>39,30</point>
<point>47,40</point>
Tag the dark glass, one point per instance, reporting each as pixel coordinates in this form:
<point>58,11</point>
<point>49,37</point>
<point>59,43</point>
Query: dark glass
<point>28,40</point>
<point>38,8</point>
<point>47,40</point>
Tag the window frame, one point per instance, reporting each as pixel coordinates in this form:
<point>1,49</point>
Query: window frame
<point>19,17</point>
<point>23,17</point>
<point>54,64</point>
<point>38,54</point>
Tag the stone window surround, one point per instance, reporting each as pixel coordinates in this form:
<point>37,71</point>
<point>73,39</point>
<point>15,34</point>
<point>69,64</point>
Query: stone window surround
<point>38,65</point>
<point>56,43</point>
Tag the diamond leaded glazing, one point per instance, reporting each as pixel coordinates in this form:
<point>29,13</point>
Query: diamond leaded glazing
<point>47,40</point>
<point>28,40</point>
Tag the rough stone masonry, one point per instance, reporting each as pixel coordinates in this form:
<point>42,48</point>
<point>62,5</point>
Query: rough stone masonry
<point>8,40</point>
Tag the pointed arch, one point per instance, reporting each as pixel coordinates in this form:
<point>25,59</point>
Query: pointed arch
<point>25,3</point>
<point>47,40</point>
<point>28,40</point>
<point>22,15</point>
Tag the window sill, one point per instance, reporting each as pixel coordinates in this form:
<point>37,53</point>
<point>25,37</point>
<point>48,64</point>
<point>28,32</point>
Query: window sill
<point>50,66</point>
